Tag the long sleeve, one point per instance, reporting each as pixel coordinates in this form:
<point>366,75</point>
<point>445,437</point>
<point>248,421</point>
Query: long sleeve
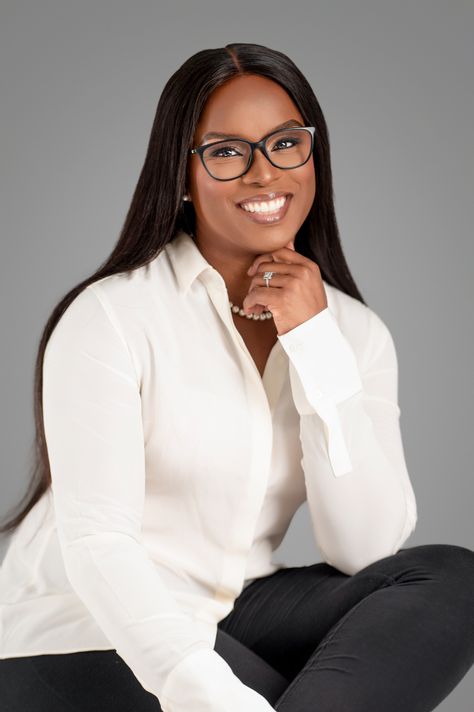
<point>95,443</point>
<point>360,498</point>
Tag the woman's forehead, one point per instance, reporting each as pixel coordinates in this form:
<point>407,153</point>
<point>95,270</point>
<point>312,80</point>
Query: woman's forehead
<point>249,109</point>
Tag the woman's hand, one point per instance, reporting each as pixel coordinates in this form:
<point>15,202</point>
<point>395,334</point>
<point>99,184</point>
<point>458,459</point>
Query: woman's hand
<point>295,292</point>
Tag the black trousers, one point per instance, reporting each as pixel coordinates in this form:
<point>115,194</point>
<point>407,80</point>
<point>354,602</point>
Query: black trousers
<point>397,636</point>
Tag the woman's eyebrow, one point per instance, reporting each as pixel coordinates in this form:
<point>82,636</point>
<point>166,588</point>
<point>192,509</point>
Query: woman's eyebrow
<point>217,134</point>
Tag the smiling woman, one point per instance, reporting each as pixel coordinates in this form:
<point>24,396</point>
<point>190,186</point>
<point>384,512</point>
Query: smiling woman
<point>234,174</point>
<point>261,166</point>
<point>218,370</point>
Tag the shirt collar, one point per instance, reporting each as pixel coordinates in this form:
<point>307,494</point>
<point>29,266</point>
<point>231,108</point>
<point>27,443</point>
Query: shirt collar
<point>188,262</point>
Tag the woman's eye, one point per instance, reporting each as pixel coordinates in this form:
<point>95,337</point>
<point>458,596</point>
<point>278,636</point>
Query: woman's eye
<point>293,141</point>
<point>219,152</point>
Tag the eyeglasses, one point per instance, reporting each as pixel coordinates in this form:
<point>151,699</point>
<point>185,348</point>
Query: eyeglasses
<point>231,158</point>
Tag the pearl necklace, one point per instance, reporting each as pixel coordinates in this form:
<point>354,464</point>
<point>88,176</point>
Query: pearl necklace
<point>255,317</point>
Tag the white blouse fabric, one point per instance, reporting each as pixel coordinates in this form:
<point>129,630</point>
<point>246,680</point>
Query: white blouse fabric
<point>176,471</point>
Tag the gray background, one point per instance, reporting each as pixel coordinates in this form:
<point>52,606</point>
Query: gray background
<point>79,86</point>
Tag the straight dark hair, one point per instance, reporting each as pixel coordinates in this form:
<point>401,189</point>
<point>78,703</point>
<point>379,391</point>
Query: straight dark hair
<point>157,213</point>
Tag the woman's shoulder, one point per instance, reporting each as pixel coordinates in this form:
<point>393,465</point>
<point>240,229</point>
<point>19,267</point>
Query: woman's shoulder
<point>115,297</point>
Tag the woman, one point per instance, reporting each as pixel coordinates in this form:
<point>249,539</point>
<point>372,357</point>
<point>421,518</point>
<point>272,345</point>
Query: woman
<point>217,371</point>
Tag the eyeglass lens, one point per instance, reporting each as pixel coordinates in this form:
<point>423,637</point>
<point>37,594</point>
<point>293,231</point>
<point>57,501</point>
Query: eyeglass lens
<point>286,148</point>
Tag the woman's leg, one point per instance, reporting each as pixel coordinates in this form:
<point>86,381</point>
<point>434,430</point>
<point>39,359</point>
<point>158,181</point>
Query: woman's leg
<point>397,636</point>
<point>72,682</point>
<point>100,681</point>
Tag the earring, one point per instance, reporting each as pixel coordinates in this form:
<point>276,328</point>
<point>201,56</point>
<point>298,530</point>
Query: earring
<point>186,196</point>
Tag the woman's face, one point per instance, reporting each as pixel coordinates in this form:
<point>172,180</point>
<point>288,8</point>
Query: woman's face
<point>249,107</point>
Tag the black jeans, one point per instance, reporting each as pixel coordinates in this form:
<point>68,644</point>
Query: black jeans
<point>398,636</point>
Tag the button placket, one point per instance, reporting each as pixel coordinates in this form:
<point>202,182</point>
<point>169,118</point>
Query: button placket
<point>261,448</point>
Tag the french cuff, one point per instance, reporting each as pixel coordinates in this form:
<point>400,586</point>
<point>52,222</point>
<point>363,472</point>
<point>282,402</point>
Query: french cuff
<point>323,372</point>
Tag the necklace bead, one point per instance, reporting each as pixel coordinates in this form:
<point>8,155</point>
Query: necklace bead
<point>256,317</point>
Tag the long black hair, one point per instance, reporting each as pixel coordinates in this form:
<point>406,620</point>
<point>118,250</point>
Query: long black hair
<point>157,212</point>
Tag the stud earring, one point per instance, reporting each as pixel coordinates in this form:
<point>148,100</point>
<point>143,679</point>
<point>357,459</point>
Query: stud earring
<point>186,196</point>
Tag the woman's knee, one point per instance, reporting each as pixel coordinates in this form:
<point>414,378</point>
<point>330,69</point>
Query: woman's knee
<point>450,566</point>
<point>449,557</point>
<point>444,562</point>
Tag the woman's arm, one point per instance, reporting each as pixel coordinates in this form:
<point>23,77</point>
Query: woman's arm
<point>360,497</point>
<point>93,428</point>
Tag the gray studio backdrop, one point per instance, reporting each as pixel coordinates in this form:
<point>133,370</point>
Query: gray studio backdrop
<point>79,86</point>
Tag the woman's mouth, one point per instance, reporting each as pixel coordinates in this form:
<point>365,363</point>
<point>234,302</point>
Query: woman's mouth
<point>265,212</point>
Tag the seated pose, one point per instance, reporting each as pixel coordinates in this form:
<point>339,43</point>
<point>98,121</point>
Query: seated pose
<point>217,371</point>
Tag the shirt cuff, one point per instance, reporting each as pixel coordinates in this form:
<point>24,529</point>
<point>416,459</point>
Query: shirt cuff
<point>323,359</point>
<point>323,373</point>
<point>204,682</point>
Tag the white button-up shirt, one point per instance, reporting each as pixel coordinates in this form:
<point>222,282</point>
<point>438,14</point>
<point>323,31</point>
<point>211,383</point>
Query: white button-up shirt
<point>176,470</point>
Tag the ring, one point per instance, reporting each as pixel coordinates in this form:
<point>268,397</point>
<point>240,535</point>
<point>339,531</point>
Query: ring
<point>267,277</point>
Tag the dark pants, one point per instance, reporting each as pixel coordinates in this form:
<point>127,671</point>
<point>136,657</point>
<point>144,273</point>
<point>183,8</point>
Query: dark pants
<point>398,636</point>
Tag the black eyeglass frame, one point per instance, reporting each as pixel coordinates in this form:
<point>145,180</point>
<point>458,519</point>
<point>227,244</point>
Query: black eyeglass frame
<point>253,145</point>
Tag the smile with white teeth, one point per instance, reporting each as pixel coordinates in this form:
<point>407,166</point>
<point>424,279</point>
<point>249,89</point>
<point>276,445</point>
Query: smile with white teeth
<point>271,206</point>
